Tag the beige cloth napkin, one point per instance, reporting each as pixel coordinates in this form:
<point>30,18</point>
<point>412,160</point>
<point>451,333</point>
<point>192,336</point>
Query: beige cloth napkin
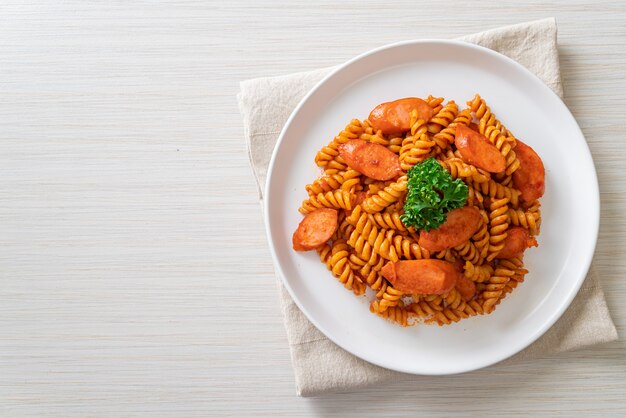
<point>320,366</point>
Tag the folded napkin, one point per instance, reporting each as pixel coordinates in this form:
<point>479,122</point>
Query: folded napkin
<point>320,366</point>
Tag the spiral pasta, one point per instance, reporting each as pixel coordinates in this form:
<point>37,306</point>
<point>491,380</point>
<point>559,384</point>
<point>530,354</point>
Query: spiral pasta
<point>435,103</point>
<point>526,219</point>
<point>346,180</point>
<point>481,238</point>
<point>443,118</point>
<point>415,148</point>
<point>486,118</point>
<point>445,138</point>
<point>331,256</point>
<point>495,190</point>
<point>498,224</point>
<point>367,239</point>
<point>344,230</point>
<point>383,198</point>
<point>387,220</point>
<point>497,283</point>
<point>408,248</point>
<point>424,309</point>
<point>454,300</point>
<point>474,197</point>
<point>398,314</point>
<point>395,144</point>
<point>324,184</point>
<point>368,134</point>
<point>337,199</point>
<point>477,273</point>
<point>353,130</point>
<point>370,233</point>
<point>391,297</point>
<point>459,169</point>
<point>328,158</point>
<point>470,252</point>
<point>415,152</point>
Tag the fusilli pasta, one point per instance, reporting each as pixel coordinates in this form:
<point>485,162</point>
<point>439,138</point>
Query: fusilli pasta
<point>370,232</point>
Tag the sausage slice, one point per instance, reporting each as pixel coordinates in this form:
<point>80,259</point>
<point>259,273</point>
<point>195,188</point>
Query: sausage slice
<point>477,150</point>
<point>530,177</point>
<point>459,226</point>
<point>394,118</point>
<point>315,229</point>
<point>370,159</point>
<point>421,276</point>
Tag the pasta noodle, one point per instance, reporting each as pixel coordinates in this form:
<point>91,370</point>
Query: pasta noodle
<point>468,251</point>
<point>346,180</point>
<point>370,232</point>
<point>368,134</point>
<point>499,223</point>
<point>390,298</point>
<point>387,220</point>
<point>484,115</point>
<point>495,190</point>
<point>477,273</point>
<point>408,248</point>
<point>367,238</point>
<point>481,238</point>
<point>415,148</point>
<point>445,138</point>
<point>443,118</point>
<point>338,199</point>
<point>497,283</point>
<point>435,102</point>
<point>459,169</point>
<point>528,219</point>
<point>398,314</point>
<point>385,197</point>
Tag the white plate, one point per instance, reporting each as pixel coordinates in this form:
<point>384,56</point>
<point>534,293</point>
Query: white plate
<point>570,207</point>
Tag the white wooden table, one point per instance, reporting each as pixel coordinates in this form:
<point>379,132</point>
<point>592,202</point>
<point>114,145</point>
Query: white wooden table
<point>135,277</point>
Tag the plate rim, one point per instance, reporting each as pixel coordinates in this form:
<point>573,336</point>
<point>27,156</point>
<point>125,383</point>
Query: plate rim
<point>594,201</point>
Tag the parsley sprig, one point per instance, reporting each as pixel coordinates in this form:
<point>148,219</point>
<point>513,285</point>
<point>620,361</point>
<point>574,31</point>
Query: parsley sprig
<point>432,193</point>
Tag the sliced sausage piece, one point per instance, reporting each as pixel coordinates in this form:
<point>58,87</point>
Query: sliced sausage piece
<point>315,229</point>
<point>370,159</point>
<point>459,226</point>
<point>421,276</point>
<point>465,287</point>
<point>530,177</point>
<point>517,240</point>
<point>477,150</point>
<point>394,118</point>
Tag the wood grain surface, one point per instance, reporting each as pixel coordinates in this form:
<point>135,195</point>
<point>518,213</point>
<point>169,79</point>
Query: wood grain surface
<point>135,276</point>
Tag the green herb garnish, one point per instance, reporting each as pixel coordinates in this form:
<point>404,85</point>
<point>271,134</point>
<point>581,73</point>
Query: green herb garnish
<point>432,194</point>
